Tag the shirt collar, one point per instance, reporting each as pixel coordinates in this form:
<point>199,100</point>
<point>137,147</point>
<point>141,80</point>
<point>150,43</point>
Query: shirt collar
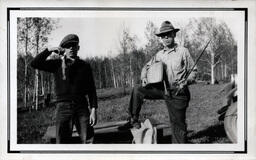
<point>169,50</point>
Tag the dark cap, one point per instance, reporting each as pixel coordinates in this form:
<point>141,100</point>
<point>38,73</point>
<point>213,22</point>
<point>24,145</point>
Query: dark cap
<point>70,38</point>
<point>166,27</point>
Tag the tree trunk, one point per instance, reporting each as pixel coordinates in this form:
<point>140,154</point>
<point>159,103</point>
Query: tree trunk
<point>106,78</point>
<point>42,83</point>
<point>212,68</point>
<point>99,71</point>
<point>221,72</point>
<point>131,73</point>
<point>118,81</point>
<point>25,87</point>
<point>124,82</point>
<point>231,58</point>
<point>25,60</point>
<point>124,70</point>
<point>37,73</point>
<point>34,93</point>
<point>225,70</point>
<point>49,84</point>
<point>36,89</point>
<point>113,74</point>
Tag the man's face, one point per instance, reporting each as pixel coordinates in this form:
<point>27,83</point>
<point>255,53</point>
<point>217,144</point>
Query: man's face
<point>71,49</point>
<point>168,38</point>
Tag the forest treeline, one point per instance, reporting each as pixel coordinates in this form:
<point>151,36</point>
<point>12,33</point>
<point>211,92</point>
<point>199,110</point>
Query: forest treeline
<point>123,70</point>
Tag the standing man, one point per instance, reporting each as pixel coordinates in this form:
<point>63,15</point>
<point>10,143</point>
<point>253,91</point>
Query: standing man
<point>73,81</point>
<point>177,62</point>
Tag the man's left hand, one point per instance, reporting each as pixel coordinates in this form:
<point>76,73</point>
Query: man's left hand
<point>93,117</point>
<point>182,84</point>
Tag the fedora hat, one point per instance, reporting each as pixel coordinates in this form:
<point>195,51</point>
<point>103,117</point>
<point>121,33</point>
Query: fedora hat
<point>166,27</point>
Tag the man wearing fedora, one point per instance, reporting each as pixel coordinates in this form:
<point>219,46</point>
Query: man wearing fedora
<point>177,62</point>
<point>73,81</point>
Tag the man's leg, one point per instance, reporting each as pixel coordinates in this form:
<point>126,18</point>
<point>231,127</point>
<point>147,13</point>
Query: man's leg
<point>81,120</point>
<point>177,106</point>
<point>138,94</point>
<point>64,122</point>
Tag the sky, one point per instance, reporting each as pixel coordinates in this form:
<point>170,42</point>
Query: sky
<point>99,34</point>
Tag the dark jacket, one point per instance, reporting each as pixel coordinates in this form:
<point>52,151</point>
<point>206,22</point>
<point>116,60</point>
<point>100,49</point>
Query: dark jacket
<point>79,80</point>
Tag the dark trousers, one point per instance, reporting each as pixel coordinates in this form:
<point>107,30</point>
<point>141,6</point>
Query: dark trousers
<point>176,106</point>
<point>69,113</point>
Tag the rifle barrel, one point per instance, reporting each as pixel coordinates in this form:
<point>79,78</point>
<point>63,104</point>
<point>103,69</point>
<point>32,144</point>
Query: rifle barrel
<point>188,73</point>
<point>197,60</point>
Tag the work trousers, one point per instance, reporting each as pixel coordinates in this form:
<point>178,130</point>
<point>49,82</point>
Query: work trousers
<point>176,105</point>
<point>69,113</point>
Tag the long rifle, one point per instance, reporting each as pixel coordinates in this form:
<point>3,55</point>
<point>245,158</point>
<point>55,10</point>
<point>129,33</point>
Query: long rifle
<point>190,71</point>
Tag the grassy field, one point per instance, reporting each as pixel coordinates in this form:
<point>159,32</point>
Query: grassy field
<point>202,117</point>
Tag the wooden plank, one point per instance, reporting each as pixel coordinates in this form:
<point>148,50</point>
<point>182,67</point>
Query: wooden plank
<point>109,124</point>
<point>105,133</point>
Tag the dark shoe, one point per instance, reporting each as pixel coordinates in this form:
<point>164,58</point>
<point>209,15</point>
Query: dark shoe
<point>126,126</point>
<point>130,124</point>
<point>136,125</point>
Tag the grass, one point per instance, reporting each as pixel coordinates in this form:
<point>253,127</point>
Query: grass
<point>202,117</point>
<point>32,125</point>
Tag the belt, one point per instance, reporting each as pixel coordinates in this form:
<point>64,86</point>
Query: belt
<point>73,99</point>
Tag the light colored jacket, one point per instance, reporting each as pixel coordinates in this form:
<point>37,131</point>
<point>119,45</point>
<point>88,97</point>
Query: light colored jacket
<point>177,62</point>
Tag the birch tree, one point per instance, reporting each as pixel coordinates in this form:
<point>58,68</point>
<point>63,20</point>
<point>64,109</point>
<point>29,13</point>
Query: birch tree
<point>218,51</point>
<point>32,37</point>
<point>153,44</point>
<point>23,40</point>
<point>127,44</point>
<point>112,70</point>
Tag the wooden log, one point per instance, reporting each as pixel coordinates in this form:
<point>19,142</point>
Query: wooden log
<point>105,133</point>
<point>109,124</point>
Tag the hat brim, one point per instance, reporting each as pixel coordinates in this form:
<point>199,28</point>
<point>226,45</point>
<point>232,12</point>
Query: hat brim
<point>166,31</point>
<point>64,44</point>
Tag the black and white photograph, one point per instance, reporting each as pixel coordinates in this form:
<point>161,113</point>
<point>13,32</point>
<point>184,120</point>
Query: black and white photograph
<point>137,78</point>
<point>127,80</point>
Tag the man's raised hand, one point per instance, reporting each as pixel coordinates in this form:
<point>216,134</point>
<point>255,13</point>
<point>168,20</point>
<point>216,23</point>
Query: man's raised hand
<point>57,50</point>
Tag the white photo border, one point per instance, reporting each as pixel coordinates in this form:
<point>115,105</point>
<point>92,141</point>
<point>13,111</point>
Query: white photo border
<point>13,147</point>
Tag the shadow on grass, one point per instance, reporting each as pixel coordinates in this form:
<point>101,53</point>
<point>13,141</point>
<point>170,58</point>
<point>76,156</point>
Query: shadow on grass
<point>212,134</point>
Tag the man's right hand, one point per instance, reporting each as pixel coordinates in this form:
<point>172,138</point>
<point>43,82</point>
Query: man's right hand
<point>57,50</point>
<point>144,82</point>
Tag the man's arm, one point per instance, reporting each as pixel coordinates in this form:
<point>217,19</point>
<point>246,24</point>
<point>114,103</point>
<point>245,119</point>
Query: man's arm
<point>190,63</point>
<point>187,79</point>
<point>92,97</point>
<point>40,62</point>
<point>92,90</point>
